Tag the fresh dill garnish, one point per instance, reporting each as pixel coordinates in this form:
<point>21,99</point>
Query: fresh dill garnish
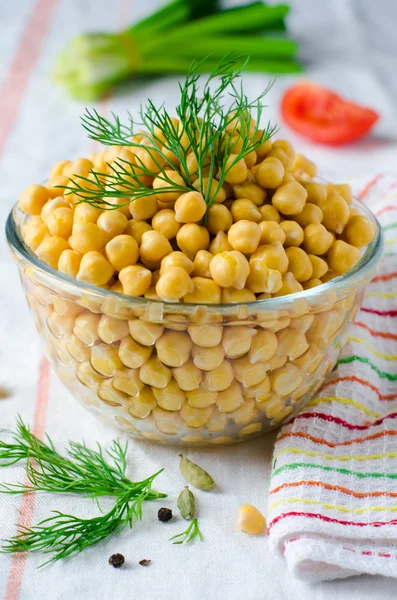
<point>189,534</point>
<point>93,473</point>
<point>218,137</point>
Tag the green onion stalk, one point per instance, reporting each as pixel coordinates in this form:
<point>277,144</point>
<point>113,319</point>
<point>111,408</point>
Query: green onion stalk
<point>168,40</point>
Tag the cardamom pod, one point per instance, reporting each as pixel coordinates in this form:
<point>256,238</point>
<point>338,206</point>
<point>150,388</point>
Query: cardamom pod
<point>195,475</point>
<point>186,504</point>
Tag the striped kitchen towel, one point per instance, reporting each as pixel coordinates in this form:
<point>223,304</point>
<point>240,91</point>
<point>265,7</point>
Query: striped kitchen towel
<point>333,495</point>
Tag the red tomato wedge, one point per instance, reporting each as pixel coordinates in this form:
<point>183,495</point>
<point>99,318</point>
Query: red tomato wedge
<point>323,116</point>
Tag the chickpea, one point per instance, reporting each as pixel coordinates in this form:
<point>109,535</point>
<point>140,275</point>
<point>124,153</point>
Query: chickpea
<point>50,250</point>
<point>220,244</point>
<point>290,198</point>
<point>60,222</point>
<point>311,213</point>
<point>58,168</point>
<point>171,397</point>
<point>142,405</point>
<point>250,191</point>
<point>136,229</point>
<point>236,341</point>
<point>69,262</point>
<point>201,264</point>
<point>150,158</point>
<point>95,269</point>
<point>190,207</point>
<point>359,231</point>
<point>81,166</point>
<point>282,157</point>
<point>143,208</point>
<point>208,359</point>
<point>303,323</point>
<point>317,239</point>
<point>35,232</point>
<point>336,213</point>
<point>170,180</point>
<point>261,279</point>
<point>303,164</point>
<point>269,213</point>
<point>154,373</point>
<point>294,234</point>
<point>122,251</point>
<point>247,373</point>
<point>84,213</point>
<point>219,218</point>
<point>272,256</point>
<point>55,186</point>
<point>271,232</point>
<point>33,199</point>
<point>196,417</point>
<point>245,209</point>
<point>219,379</point>
<point>342,257</point>
<point>263,347</point>
<point>232,296</point>
<point>289,285</point>
<point>343,189</point>
<point>330,274</point>
<point>105,359</point>
<point>112,330</point>
<point>191,238</point>
<point>88,236</point>
<point>175,259</point>
<point>113,222</point>
<point>132,354</point>
<point>135,279</point>
<point>299,264</point>
<point>154,246</point>
<point>217,196</point>
<point>286,380</point>
<point>320,267</point>
<point>188,376</point>
<point>205,291</point>
<point>174,283</point>
<point>87,375</point>
<point>206,336</point>
<point>314,282</point>
<point>291,343</point>
<point>244,236</point>
<point>285,146</point>
<point>230,269</point>
<point>86,328</point>
<point>127,381</point>
<point>270,173</point>
<point>310,360</point>
<point>165,222</point>
<point>145,333</point>
<point>231,399</point>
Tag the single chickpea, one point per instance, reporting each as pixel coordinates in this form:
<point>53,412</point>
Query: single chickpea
<point>132,354</point>
<point>289,286</point>
<point>112,330</point>
<point>175,259</point>
<point>88,236</point>
<point>201,264</point>
<point>87,375</point>
<point>261,279</point>
<point>165,222</point>
<point>343,189</point>
<point>342,257</point>
<point>85,213</point>
<point>317,239</point>
<point>69,262</point>
<point>282,156</point>
<point>237,340</point>
<point>86,328</point>
<point>206,336</point>
<point>196,417</point>
<point>320,267</point>
<point>303,323</point>
<point>145,333</point>
<point>219,379</point>
<point>171,180</point>
<point>174,284</point>
<point>220,243</point>
<point>142,406</point>
<point>135,279</point>
<point>95,269</point>
<point>188,376</point>
<point>219,218</point>
<point>173,348</point>
<point>51,206</point>
<point>359,231</point>
<point>35,232</point>
<point>263,347</point>
<point>285,146</point>
<point>316,193</point>
<point>143,208</point>
<point>233,296</point>
<point>208,359</point>
<point>271,232</point>
<point>311,213</point>
<point>190,207</point>
<point>247,373</point>
<point>33,199</point>
<point>250,520</point>
<point>231,399</point>
<point>270,173</point>
<point>269,213</point>
<point>286,379</point>
<point>310,360</point>
<point>245,209</point>
<point>244,236</point>
<point>290,198</point>
<point>58,168</point>
<point>294,234</point>
<point>105,359</point>
<point>250,191</point>
<point>205,291</point>
<point>314,282</point>
<point>50,250</point>
<point>336,213</point>
<point>81,166</point>
<point>299,264</point>
<point>127,381</point>
<point>303,164</point>
<point>273,256</point>
<point>171,397</point>
<point>122,204</point>
<point>136,229</point>
<point>55,186</point>
<point>291,343</point>
<point>150,158</point>
<point>113,222</point>
<point>236,169</point>
<point>330,274</point>
<point>154,373</point>
<point>230,269</point>
<point>154,246</point>
<point>217,196</point>
<point>122,251</point>
<point>191,238</point>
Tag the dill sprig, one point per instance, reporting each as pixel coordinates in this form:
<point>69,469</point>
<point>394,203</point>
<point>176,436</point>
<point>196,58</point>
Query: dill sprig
<point>218,137</point>
<point>93,473</point>
<point>189,534</point>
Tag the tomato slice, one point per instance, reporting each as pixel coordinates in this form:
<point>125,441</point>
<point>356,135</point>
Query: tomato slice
<point>322,116</point>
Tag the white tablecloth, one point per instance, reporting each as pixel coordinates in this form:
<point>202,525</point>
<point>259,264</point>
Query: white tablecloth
<point>39,125</point>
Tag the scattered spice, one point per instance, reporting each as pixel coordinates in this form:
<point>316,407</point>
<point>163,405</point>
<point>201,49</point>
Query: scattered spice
<point>116,560</point>
<point>186,504</point>
<point>164,514</point>
<point>195,475</point>
<point>145,562</point>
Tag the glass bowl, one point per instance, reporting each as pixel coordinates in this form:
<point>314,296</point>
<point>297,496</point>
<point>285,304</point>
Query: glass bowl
<point>190,373</point>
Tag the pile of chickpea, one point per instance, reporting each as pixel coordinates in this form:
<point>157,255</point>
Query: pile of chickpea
<point>270,231</point>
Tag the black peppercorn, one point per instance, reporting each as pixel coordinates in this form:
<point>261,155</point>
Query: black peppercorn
<point>145,562</point>
<point>164,514</point>
<point>116,560</point>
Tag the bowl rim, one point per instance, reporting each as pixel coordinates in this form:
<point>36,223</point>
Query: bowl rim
<point>370,259</point>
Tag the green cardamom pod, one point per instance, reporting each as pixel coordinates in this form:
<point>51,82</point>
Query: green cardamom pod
<point>195,475</point>
<point>186,504</point>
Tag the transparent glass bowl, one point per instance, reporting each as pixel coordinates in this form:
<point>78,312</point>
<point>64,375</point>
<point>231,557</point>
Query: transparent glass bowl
<point>106,348</point>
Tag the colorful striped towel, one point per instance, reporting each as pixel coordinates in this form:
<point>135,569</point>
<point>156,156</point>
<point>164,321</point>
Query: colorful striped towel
<point>333,494</point>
